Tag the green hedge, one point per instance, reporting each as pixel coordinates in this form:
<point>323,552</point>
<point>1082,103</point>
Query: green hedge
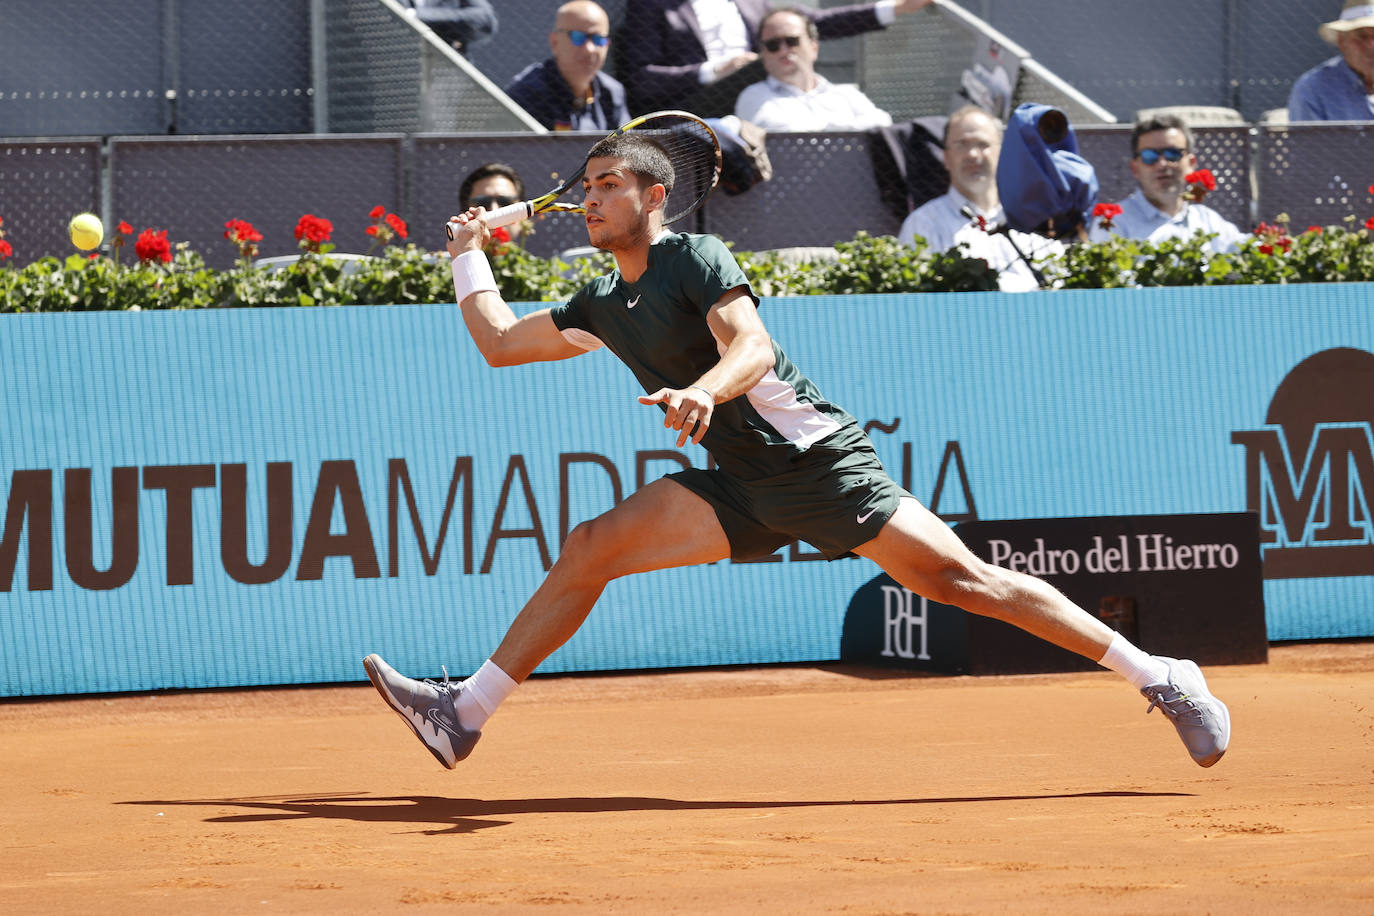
<point>867,264</point>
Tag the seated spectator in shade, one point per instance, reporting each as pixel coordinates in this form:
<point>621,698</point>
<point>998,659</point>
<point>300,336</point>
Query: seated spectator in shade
<point>1161,160</point>
<point>699,54</point>
<point>794,96</point>
<point>492,185</point>
<point>1341,88</point>
<point>462,23</point>
<point>569,91</point>
<point>973,141</point>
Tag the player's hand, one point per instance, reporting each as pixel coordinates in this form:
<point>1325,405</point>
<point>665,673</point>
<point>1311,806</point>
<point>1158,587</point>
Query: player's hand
<point>688,410</point>
<point>470,232</point>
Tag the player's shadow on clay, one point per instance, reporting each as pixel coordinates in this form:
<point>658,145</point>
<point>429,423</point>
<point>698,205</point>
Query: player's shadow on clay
<point>465,815</point>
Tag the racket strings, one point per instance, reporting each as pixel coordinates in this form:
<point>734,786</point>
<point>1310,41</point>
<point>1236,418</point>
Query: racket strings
<point>695,154</point>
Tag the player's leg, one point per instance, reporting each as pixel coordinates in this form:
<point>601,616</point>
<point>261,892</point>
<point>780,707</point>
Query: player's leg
<point>920,551</point>
<point>660,526</point>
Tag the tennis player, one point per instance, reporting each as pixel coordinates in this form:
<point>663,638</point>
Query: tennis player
<point>678,311</point>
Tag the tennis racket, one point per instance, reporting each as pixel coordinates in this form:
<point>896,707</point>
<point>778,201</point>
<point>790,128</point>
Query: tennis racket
<point>691,146</point>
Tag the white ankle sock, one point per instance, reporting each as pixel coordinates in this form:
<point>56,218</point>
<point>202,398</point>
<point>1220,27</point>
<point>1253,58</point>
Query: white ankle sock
<point>481,694</point>
<point>1140,668</point>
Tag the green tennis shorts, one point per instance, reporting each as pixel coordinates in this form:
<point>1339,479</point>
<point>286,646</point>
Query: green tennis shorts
<point>835,496</point>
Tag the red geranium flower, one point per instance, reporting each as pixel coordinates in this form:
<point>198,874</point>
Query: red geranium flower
<point>1369,224</point>
<point>500,241</point>
<point>1203,177</point>
<point>1273,236</point>
<point>1106,213</point>
<point>153,246</point>
<point>5,249</point>
<point>385,227</point>
<point>244,236</point>
<point>1315,229</point>
<point>313,231</point>
<point>1200,182</point>
<point>124,228</point>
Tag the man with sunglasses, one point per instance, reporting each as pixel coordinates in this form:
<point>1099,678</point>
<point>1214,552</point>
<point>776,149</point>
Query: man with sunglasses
<point>569,91</point>
<point>492,185</point>
<point>794,96</point>
<point>699,54</point>
<point>1161,157</point>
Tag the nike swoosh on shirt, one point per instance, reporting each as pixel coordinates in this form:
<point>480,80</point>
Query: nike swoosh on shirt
<point>632,303</point>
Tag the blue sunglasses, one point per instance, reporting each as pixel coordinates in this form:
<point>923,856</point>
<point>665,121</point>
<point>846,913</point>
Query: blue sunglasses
<point>579,38</point>
<point>1170,154</point>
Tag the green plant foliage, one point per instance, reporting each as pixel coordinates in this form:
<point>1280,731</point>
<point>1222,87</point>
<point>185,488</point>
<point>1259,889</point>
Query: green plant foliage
<point>867,264</point>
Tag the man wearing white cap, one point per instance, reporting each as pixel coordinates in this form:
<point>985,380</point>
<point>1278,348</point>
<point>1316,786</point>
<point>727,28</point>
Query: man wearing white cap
<point>1342,88</point>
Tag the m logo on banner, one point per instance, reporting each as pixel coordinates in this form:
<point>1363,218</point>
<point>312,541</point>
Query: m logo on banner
<point>1309,473</point>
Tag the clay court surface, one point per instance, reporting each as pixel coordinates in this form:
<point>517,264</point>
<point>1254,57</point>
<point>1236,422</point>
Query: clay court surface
<point>762,790</point>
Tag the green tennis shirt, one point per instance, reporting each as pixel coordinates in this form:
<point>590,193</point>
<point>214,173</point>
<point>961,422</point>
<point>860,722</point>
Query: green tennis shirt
<point>657,327</point>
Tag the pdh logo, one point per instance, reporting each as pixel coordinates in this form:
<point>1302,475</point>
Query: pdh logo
<point>1309,471</point>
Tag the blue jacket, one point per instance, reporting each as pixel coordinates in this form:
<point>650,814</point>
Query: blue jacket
<point>541,90</point>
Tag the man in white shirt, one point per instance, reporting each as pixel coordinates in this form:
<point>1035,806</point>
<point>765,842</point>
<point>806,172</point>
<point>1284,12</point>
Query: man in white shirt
<point>973,141</point>
<point>794,96</point>
<point>699,54</point>
<point>1161,157</point>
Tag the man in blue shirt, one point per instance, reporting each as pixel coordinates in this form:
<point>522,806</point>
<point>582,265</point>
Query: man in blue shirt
<point>1342,88</point>
<point>568,91</point>
<point>1161,159</point>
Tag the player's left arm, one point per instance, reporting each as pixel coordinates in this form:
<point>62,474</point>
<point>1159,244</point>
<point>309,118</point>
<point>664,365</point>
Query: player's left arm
<point>747,356</point>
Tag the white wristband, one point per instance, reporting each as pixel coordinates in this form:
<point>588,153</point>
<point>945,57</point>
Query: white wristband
<point>472,274</point>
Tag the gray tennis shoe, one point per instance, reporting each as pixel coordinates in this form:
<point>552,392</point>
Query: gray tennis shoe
<point>1203,721</point>
<point>427,707</point>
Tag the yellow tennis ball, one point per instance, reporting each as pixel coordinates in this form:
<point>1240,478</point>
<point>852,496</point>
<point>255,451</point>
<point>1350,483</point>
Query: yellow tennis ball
<point>86,231</point>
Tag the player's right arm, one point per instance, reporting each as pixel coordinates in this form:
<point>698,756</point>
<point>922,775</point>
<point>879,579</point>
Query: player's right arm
<point>502,338</point>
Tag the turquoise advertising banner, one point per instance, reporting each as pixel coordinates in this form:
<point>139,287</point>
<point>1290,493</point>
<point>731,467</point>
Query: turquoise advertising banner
<point>265,496</point>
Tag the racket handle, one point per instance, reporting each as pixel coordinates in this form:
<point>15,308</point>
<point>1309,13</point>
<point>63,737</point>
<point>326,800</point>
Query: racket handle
<point>501,216</point>
<point>510,214</point>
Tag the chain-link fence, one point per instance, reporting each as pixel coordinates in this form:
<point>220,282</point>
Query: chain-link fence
<point>404,109</point>
<point>107,67</point>
<point>825,186</point>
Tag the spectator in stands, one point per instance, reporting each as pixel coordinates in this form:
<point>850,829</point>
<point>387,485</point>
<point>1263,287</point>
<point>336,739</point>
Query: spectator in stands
<point>1342,88</point>
<point>1161,158</point>
<point>972,142</point>
<point>492,185</point>
<point>794,96</point>
<point>462,23</point>
<point>699,54</point>
<point>569,91</point>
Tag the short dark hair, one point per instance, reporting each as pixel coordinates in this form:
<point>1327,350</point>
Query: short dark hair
<point>644,158</point>
<point>812,32</point>
<point>488,170</point>
<point>1160,122</point>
